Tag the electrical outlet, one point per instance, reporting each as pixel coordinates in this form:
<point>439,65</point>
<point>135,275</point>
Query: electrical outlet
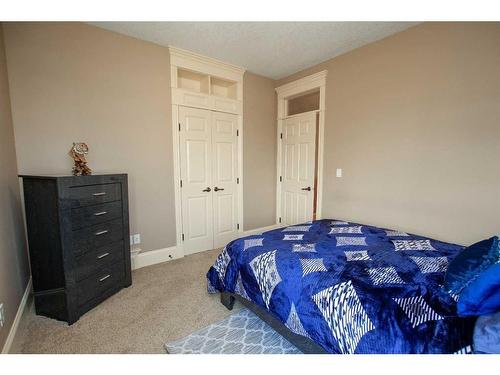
<point>339,172</point>
<point>137,239</point>
<point>2,315</point>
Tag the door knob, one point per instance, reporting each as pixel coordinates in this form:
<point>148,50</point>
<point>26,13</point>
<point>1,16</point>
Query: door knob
<point>207,190</point>
<point>217,189</point>
<point>307,188</point>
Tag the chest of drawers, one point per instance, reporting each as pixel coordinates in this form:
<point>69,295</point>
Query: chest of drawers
<point>78,233</point>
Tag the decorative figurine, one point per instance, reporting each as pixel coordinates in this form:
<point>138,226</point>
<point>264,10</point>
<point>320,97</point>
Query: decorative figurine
<point>78,152</point>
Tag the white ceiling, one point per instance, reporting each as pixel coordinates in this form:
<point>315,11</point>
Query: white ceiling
<point>271,49</point>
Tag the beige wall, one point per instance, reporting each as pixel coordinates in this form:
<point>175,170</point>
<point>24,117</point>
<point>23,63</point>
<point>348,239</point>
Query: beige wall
<point>259,147</point>
<point>14,269</point>
<point>414,121</point>
<point>75,82</point>
<point>410,119</point>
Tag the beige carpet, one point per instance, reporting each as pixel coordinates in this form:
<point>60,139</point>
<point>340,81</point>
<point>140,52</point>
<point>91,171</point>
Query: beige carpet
<point>165,302</point>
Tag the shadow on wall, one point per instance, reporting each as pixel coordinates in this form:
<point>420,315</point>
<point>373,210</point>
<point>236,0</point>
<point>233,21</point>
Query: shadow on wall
<point>19,243</point>
<point>20,236</point>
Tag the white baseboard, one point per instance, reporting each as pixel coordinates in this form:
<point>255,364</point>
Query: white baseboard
<point>260,230</point>
<point>148,258</point>
<point>17,319</point>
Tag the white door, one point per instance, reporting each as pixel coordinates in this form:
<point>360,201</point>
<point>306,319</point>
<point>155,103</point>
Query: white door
<point>208,154</point>
<point>225,172</point>
<point>298,163</point>
<point>196,177</point>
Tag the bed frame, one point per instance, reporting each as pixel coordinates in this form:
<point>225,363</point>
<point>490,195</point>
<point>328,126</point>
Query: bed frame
<point>304,344</point>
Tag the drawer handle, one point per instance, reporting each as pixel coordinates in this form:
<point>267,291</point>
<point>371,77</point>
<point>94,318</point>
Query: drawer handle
<point>101,232</point>
<point>99,194</point>
<point>100,213</point>
<point>104,278</point>
<point>103,256</point>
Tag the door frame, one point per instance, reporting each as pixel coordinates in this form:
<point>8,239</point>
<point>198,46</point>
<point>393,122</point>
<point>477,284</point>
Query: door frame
<point>187,60</point>
<point>177,174</point>
<point>296,88</point>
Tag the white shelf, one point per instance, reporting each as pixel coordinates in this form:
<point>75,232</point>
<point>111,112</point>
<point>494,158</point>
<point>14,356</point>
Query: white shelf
<point>193,81</point>
<point>223,88</point>
<point>195,89</point>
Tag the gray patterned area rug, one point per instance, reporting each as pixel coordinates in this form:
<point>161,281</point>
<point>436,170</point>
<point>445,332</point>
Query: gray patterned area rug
<point>240,333</point>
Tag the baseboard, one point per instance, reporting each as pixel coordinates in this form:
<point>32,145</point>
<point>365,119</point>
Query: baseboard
<point>260,230</point>
<point>148,258</point>
<point>17,319</point>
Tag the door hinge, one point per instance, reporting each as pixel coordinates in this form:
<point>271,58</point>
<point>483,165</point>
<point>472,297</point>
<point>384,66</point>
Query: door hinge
<point>181,183</point>
<point>183,235</point>
<point>281,135</point>
<point>237,133</point>
<point>280,219</point>
<point>179,126</point>
<point>281,178</point>
<point>237,226</point>
<point>237,180</point>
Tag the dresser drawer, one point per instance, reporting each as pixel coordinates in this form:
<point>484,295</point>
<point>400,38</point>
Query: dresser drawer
<point>105,278</point>
<point>96,214</point>
<point>96,236</point>
<point>81,196</point>
<point>90,262</point>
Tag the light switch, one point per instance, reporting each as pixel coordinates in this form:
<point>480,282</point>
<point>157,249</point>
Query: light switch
<point>339,172</point>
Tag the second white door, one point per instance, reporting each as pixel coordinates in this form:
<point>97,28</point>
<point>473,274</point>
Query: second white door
<point>224,177</point>
<point>298,168</point>
<point>208,155</point>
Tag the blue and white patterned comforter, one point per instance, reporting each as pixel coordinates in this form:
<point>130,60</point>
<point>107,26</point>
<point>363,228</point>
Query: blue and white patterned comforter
<point>351,288</point>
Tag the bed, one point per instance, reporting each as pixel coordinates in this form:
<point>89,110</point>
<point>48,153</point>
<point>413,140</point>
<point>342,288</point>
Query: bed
<point>331,286</point>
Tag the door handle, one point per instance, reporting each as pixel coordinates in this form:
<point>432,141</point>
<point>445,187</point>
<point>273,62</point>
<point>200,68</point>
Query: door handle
<point>217,189</point>
<point>207,190</point>
<point>307,188</point>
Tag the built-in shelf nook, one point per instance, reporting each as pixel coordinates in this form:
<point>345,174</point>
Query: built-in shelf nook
<point>205,83</point>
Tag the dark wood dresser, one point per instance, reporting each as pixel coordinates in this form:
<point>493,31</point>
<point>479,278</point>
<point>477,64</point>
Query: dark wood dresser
<point>78,233</point>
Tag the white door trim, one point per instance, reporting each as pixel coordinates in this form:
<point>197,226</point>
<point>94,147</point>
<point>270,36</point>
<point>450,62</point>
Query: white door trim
<point>301,113</point>
<point>286,91</point>
<point>177,177</point>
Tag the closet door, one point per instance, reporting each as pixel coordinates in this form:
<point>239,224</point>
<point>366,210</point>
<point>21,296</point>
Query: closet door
<point>196,175</point>
<point>298,161</point>
<point>225,172</point>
